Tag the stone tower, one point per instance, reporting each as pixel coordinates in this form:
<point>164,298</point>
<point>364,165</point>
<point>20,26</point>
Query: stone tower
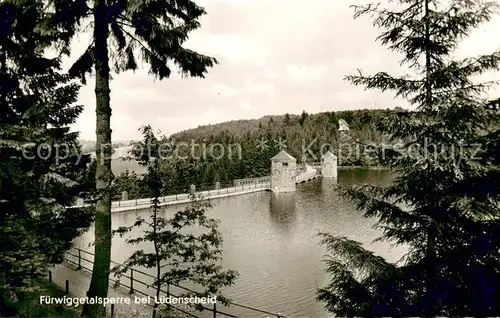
<point>283,172</point>
<point>329,163</point>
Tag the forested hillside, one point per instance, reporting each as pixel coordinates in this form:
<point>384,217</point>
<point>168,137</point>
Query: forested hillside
<point>307,135</point>
<point>244,148</point>
<point>361,122</point>
<point>89,145</point>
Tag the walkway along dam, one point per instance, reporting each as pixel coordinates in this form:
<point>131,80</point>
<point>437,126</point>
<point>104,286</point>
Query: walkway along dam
<point>284,177</point>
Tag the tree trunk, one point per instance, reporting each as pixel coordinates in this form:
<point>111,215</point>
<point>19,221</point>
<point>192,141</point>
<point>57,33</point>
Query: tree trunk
<point>157,255</point>
<point>428,84</point>
<point>104,176</point>
<point>431,273</point>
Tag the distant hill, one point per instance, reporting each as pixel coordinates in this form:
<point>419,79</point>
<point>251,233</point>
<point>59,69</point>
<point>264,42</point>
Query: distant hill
<point>118,165</point>
<point>237,127</point>
<point>89,145</point>
<point>322,126</point>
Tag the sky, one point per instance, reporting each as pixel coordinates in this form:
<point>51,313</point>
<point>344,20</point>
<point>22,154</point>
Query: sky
<point>275,57</point>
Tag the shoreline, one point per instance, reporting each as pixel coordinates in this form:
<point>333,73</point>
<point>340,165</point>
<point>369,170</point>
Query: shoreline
<point>363,167</point>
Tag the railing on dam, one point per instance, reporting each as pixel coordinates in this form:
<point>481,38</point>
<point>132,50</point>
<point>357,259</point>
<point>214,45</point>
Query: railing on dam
<point>185,197</point>
<point>80,258</point>
<point>257,180</point>
<point>306,176</point>
<point>180,198</point>
<point>241,186</point>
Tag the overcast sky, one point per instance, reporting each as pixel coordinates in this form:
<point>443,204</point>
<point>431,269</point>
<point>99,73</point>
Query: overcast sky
<point>276,56</point>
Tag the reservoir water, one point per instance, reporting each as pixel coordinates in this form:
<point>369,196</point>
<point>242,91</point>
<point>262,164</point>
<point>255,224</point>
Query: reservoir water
<point>272,241</point>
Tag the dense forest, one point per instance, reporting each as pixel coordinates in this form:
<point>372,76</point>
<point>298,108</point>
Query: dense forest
<point>244,148</point>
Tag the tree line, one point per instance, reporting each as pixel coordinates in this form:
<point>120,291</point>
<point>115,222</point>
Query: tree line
<point>247,146</point>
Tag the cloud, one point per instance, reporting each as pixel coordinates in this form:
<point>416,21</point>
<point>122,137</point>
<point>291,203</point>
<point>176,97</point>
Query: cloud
<point>225,90</point>
<point>229,48</point>
<point>279,56</point>
<point>263,88</point>
<point>305,73</point>
<point>245,105</point>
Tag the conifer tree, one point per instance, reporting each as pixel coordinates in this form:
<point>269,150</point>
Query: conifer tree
<point>180,255</point>
<point>444,201</point>
<point>126,34</point>
<point>40,162</point>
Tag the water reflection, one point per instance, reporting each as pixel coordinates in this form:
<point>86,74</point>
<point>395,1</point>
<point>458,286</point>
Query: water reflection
<point>355,176</point>
<point>282,210</point>
<point>328,185</point>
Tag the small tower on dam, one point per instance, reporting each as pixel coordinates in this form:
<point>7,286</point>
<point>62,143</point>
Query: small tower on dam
<point>329,165</point>
<point>283,172</point>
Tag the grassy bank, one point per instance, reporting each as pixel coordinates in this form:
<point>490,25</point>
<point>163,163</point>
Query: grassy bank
<point>29,305</point>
